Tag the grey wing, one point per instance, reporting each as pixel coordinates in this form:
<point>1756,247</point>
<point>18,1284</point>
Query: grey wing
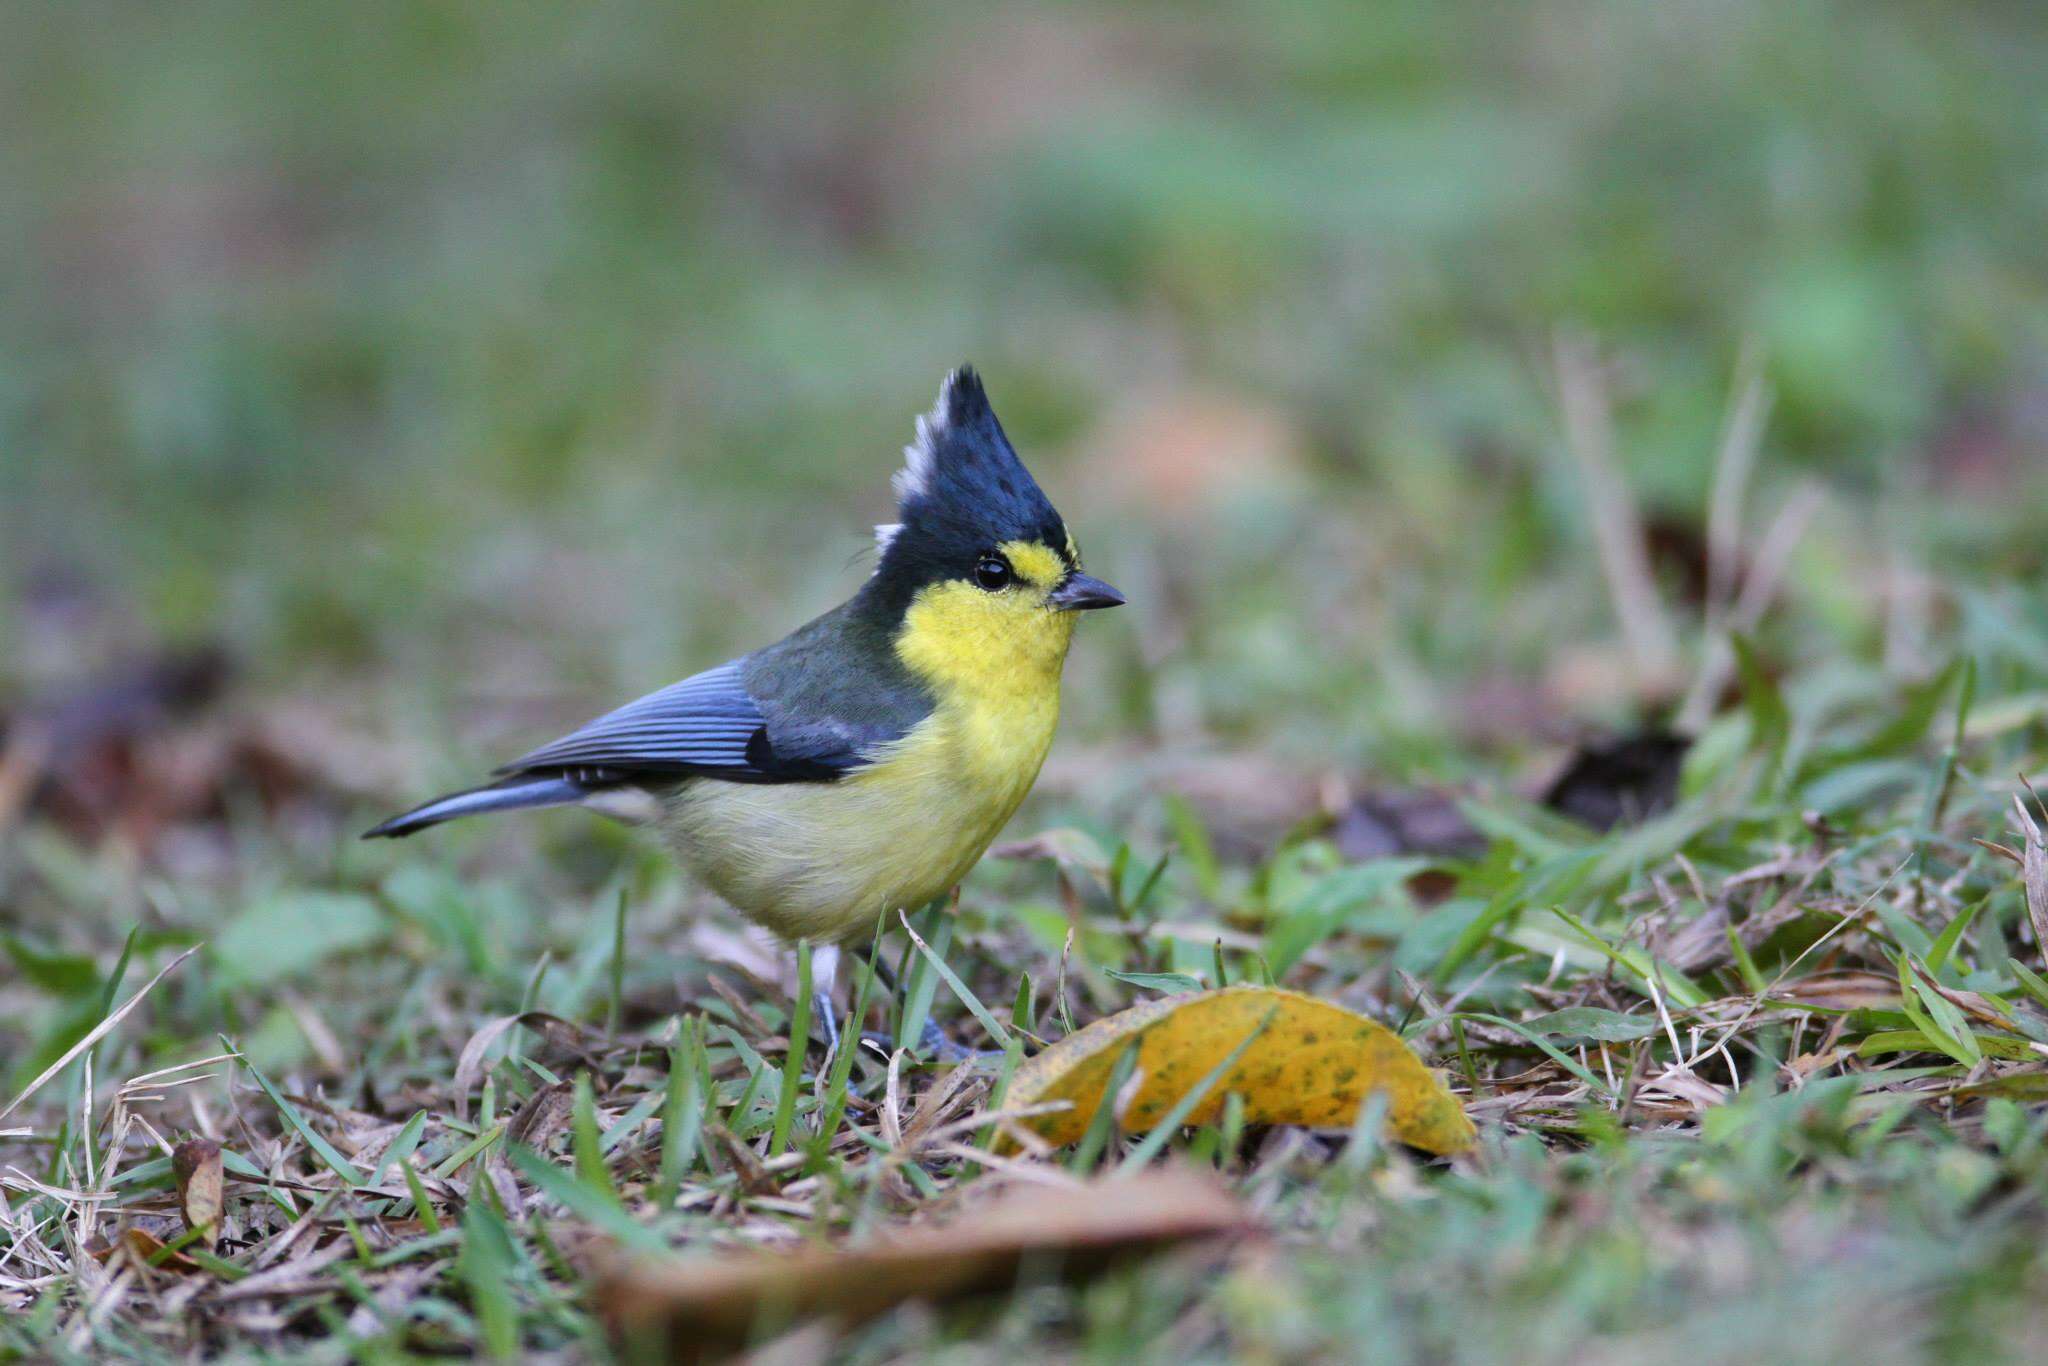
<point>708,725</point>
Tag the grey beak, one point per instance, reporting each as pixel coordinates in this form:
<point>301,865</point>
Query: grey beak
<point>1080,593</point>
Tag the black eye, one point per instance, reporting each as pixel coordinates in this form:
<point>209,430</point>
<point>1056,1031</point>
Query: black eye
<point>993,573</point>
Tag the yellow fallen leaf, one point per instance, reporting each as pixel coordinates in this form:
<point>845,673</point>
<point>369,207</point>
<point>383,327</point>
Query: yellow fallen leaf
<point>1313,1064</point>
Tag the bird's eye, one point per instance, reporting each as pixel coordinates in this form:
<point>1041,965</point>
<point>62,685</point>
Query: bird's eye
<point>993,573</point>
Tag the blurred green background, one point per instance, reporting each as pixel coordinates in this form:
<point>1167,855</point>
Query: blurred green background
<point>455,372</point>
<point>469,368</point>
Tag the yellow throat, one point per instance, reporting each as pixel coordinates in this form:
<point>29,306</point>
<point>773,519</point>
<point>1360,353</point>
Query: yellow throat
<point>993,661</point>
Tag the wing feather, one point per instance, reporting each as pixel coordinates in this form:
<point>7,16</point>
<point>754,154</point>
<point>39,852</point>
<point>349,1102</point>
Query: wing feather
<point>708,725</point>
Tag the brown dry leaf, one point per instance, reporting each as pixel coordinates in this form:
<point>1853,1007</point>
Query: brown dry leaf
<point>694,1307</point>
<point>1313,1064</point>
<point>543,1116</point>
<point>146,1250</point>
<point>1807,1064</point>
<point>196,1165</point>
<point>471,1065</point>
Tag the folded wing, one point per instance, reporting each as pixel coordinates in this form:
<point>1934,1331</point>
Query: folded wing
<point>708,725</point>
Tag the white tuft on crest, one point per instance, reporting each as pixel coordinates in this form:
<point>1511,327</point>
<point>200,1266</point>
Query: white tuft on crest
<point>914,479</point>
<point>884,535</point>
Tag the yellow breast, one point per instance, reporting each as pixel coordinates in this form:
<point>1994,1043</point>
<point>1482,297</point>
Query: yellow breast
<point>824,859</point>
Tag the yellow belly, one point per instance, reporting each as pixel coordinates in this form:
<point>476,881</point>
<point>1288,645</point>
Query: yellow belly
<point>822,860</point>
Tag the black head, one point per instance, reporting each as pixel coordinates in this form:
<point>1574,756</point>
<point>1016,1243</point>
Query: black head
<point>962,492</point>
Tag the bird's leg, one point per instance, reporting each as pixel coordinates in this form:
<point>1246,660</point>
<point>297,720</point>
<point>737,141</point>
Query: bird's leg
<point>824,972</point>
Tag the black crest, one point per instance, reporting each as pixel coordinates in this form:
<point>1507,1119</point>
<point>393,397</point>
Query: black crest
<point>962,491</point>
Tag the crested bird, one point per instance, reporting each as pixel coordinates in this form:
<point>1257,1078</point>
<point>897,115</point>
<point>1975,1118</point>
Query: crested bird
<point>864,762</point>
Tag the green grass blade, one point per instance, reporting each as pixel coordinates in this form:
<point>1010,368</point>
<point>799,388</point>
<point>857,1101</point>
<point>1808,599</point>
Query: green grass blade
<point>486,1264</point>
<point>682,1115</point>
<point>1682,990</point>
<point>1752,979</point>
<point>588,1143</point>
<point>1089,1150</point>
<point>322,1149</point>
<point>1770,719</point>
<point>113,983</point>
<point>468,1152</point>
<point>422,1206</point>
<point>793,1057</point>
<point>1505,903</point>
<point>1556,1055</point>
<point>622,1128</point>
<point>1193,838</point>
<point>959,988</point>
<point>401,1147</point>
<point>1945,942</point>
<point>920,983</point>
<point>594,1205</point>
<point>615,1004</point>
<point>1012,1055</point>
<point>841,1075</point>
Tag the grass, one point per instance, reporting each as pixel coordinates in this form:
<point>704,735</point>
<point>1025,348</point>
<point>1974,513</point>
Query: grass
<point>1446,388</point>
<point>1751,1078</point>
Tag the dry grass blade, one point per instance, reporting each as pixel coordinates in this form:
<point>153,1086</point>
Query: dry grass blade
<point>1741,437</point>
<point>1617,524</point>
<point>1766,575</point>
<point>14,1178</point>
<point>98,1032</point>
<point>2033,869</point>
<point>1774,555</point>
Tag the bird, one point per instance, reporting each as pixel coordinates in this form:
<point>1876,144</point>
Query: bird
<point>862,764</point>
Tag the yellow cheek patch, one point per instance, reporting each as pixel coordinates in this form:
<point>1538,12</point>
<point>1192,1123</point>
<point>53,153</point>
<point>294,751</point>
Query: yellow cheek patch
<point>1036,564</point>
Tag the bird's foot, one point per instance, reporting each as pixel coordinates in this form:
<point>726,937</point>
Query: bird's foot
<point>943,1046</point>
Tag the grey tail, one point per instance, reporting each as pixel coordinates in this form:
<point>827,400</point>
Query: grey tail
<point>513,794</point>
